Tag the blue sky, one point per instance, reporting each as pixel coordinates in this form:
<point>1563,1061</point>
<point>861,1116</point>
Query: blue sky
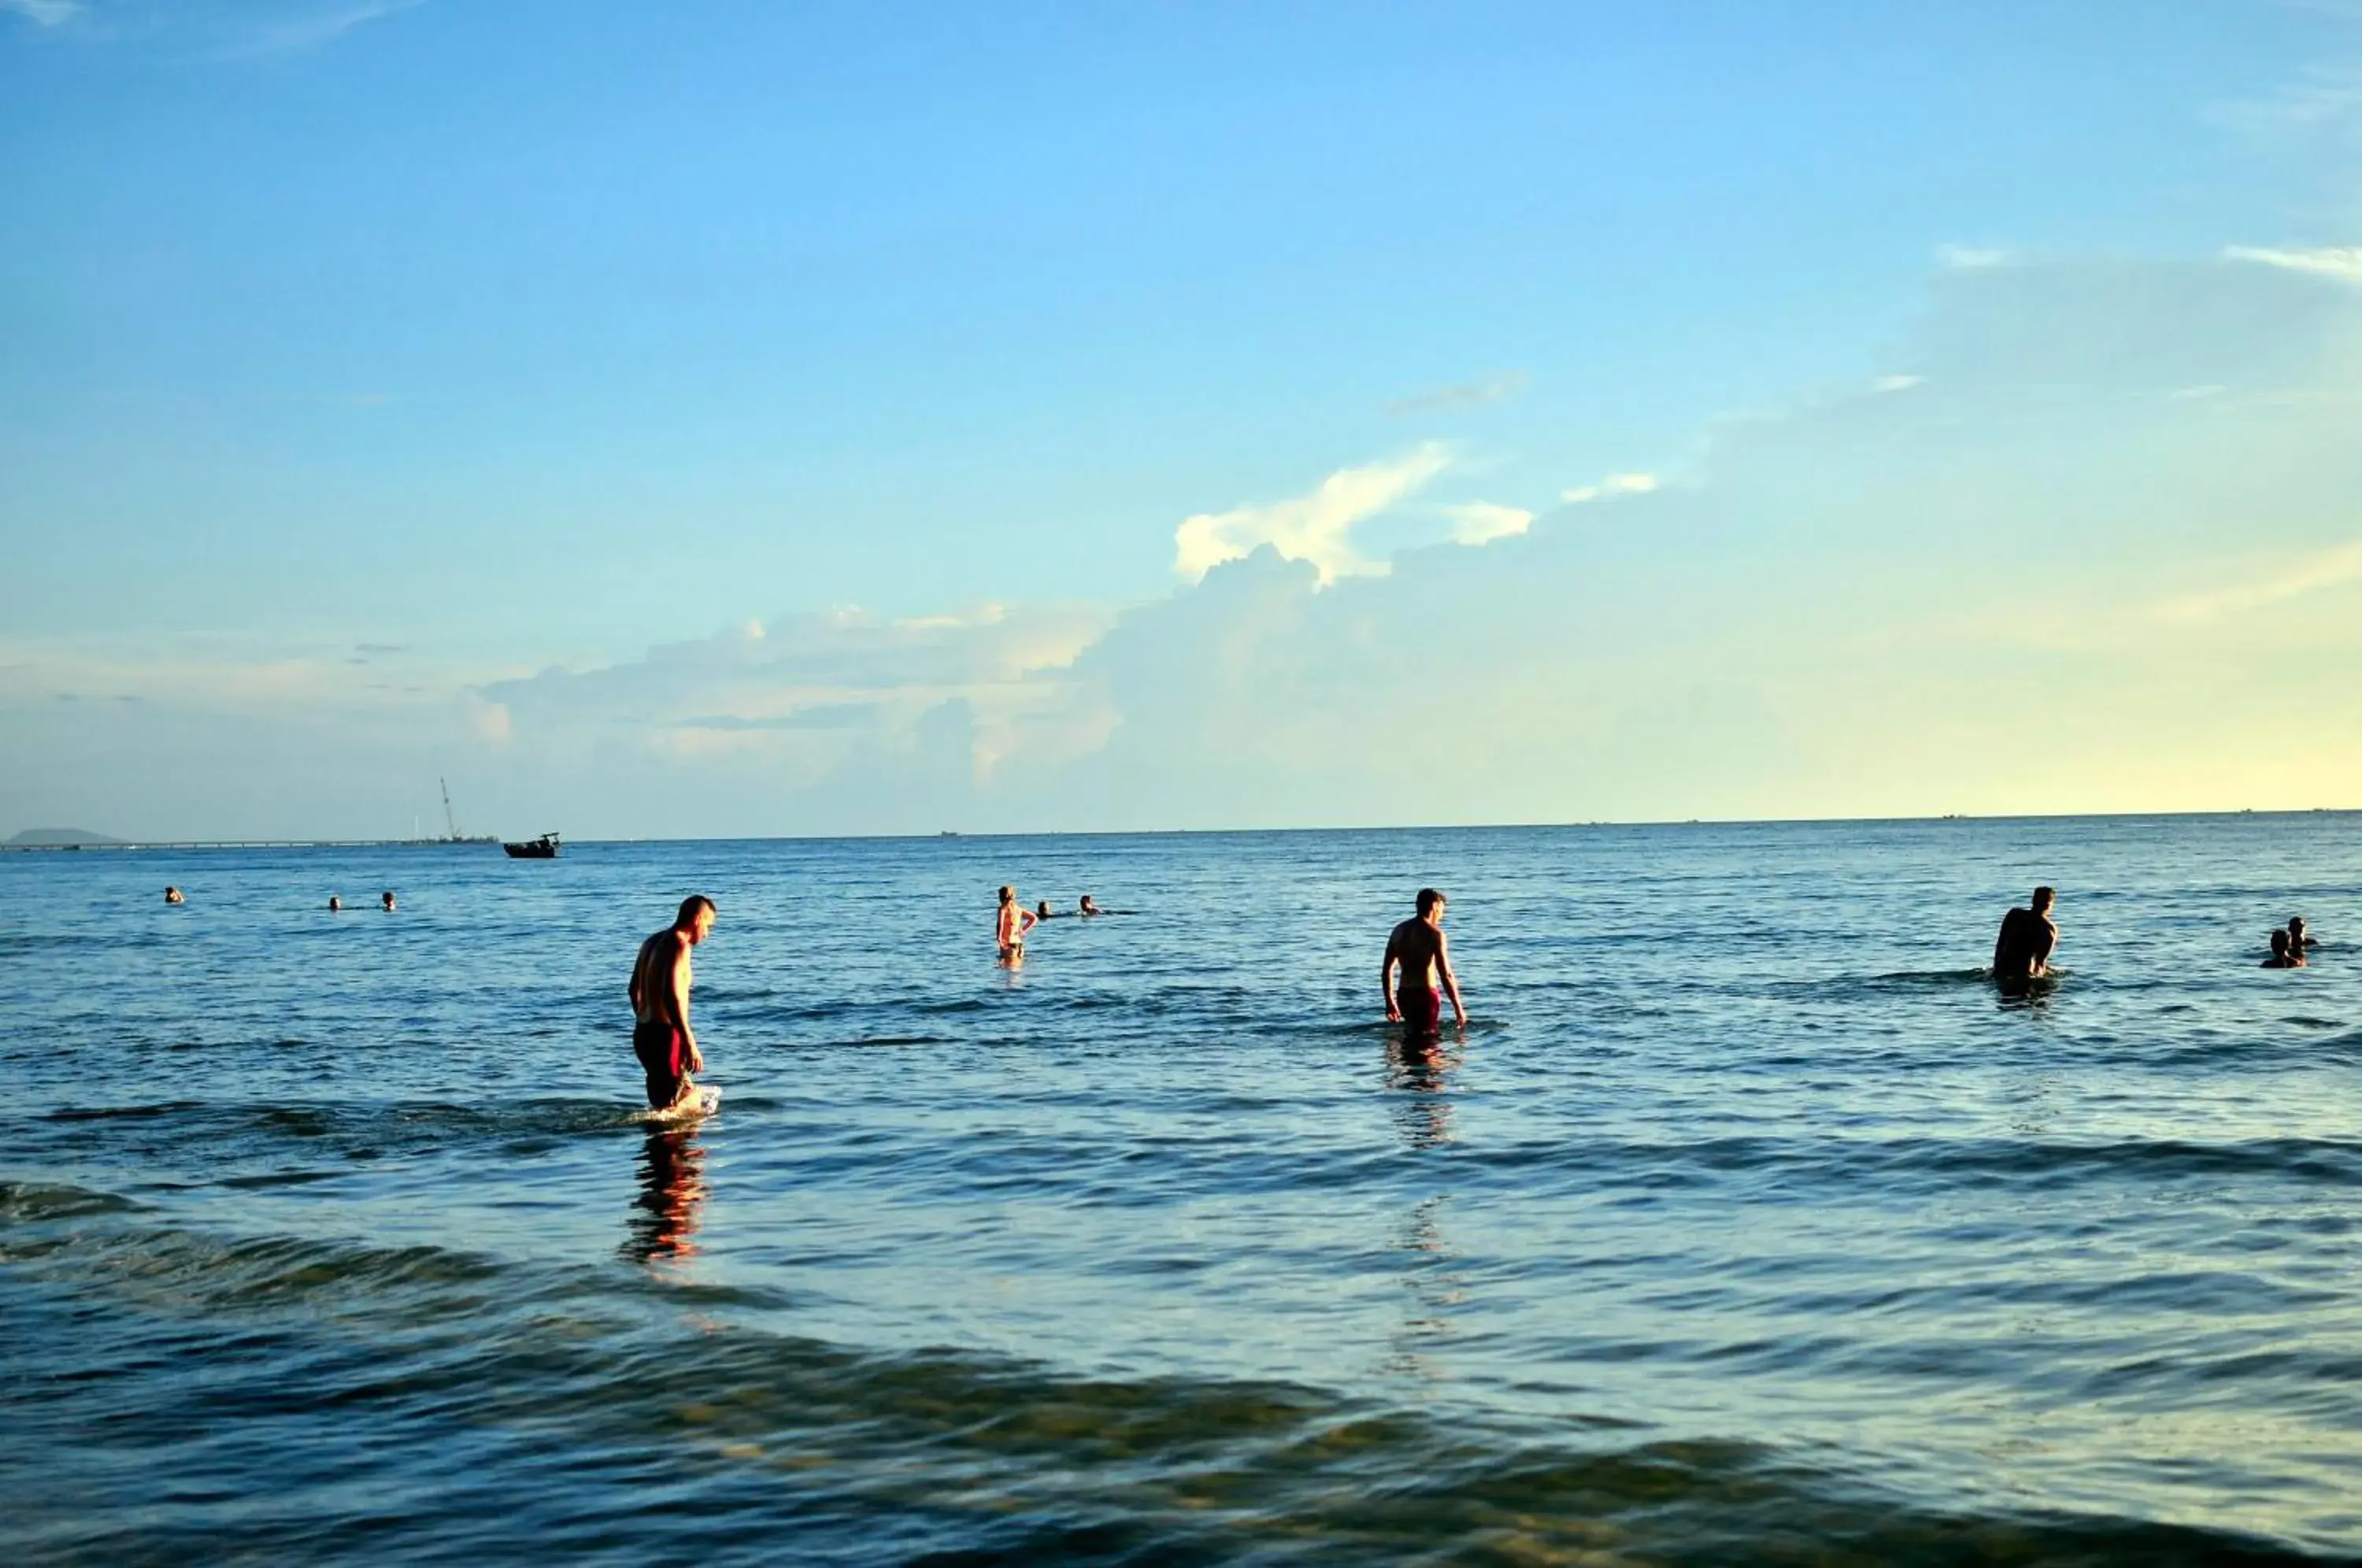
<point>503,346</point>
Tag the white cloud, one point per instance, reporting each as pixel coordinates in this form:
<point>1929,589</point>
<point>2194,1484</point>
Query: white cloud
<point>2343,262</point>
<point>1482,521</point>
<point>47,13</point>
<point>313,30</point>
<point>1895,384</point>
<point>1865,605</point>
<point>1500,387</point>
<point>1969,257</point>
<point>1317,528</point>
<point>801,698</point>
<point>1612,485</point>
<point>488,722</point>
<point>2331,568</point>
<point>2325,99</point>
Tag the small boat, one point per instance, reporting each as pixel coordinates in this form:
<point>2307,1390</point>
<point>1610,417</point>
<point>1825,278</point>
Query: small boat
<point>542,848</point>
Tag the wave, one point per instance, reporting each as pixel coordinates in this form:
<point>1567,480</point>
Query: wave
<point>1899,982</point>
<point>331,1138</point>
<point>2252,1053</point>
<point>327,1131</point>
<point>1965,1163</point>
<point>526,1412</point>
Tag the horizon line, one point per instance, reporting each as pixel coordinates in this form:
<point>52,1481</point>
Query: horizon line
<point>293,843</point>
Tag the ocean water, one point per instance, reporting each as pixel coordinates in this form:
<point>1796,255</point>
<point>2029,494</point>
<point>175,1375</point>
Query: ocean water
<point>1747,1223</point>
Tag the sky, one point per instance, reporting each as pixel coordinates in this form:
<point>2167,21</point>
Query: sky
<point>769,418</point>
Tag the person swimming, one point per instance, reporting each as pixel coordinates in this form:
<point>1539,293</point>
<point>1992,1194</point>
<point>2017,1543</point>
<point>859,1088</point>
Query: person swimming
<point>175,896</point>
<point>1086,907</point>
<point>385,902</point>
<point>1011,926</point>
<point>1043,911</point>
<point>2299,940</point>
<point>2283,958</point>
<point>335,904</point>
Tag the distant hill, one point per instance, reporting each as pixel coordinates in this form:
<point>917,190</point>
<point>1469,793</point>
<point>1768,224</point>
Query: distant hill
<point>63,836</point>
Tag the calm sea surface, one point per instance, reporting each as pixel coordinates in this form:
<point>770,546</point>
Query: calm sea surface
<point>1747,1223</point>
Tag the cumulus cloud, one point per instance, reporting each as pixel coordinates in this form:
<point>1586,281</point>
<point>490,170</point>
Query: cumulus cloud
<point>1317,528</point>
<point>1612,485</point>
<point>1482,521</point>
<point>800,699</point>
<point>1866,604</point>
<point>487,721</point>
<point>219,738</point>
<point>761,671</point>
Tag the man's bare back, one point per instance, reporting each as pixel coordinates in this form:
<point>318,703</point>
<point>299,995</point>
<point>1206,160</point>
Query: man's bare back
<point>1419,946</point>
<point>664,964</point>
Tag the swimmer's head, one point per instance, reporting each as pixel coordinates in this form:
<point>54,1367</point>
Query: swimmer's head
<point>1429,898</point>
<point>2296,928</point>
<point>2279,944</point>
<point>696,917</point>
<point>2042,897</point>
<point>1042,909</point>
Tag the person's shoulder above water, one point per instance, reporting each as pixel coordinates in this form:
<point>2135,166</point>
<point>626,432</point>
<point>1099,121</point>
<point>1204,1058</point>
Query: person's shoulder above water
<point>2022,950</point>
<point>2283,956</point>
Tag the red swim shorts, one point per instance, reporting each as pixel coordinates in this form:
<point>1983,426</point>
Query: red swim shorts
<point>663,1052</point>
<point>1422,1011</point>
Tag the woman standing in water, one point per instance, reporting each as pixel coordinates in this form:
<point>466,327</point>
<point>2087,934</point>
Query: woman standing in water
<point>1010,931</point>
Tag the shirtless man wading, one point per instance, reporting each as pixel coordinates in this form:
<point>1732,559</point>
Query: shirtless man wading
<point>1419,945</point>
<point>661,1037</point>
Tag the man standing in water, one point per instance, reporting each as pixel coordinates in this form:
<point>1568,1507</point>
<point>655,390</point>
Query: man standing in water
<point>661,1037</point>
<point>1419,945</point>
<point>2022,950</point>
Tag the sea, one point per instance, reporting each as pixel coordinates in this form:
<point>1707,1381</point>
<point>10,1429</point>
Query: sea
<point>1746,1221</point>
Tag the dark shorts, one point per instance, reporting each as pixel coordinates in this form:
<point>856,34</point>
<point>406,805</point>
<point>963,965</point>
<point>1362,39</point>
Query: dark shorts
<point>664,1056</point>
<point>1422,1011</point>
